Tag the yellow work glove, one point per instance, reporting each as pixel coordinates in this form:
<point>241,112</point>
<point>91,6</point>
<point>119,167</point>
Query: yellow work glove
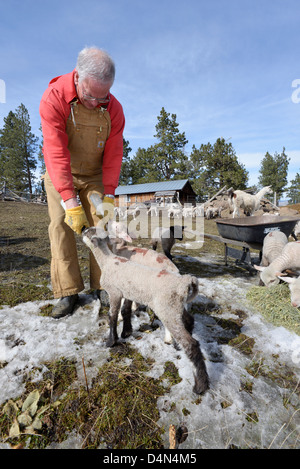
<point>76,219</point>
<point>108,207</point>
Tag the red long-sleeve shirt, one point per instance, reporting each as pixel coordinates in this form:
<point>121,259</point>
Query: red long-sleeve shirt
<point>54,111</point>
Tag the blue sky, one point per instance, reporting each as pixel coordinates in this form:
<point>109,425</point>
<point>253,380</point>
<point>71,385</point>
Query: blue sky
<point>225,68</point>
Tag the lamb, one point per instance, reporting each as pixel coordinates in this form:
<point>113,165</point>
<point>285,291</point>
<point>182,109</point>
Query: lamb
<point>248,202</point>
<point>273,244</point>
<point>212,212</point>
<point>153,211</point>
<point>294,284</point>
<point>167,237</point>
<point>175,210</point>
<point>164,292</point>
<point>296,231</point>
<point>188,211</point>
<point>288,259</point>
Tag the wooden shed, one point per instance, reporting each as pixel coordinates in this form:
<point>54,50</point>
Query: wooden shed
<point>161,193</point>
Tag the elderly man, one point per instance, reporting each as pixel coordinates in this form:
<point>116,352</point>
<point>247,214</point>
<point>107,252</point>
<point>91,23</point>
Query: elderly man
<point>82,124</point>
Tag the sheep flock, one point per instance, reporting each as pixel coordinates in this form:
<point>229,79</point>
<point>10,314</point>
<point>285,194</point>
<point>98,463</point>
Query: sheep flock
<point>151,279</point>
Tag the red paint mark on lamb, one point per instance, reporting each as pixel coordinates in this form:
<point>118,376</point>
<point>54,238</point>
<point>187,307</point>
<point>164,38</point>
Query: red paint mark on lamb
<point>140,251</point>
<point>160,259</point>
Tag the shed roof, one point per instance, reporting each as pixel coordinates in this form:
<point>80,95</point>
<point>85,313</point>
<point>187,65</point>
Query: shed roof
<point>175,185</point>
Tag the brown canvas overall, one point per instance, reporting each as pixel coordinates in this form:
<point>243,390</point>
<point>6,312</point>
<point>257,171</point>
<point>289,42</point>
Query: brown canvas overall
<point>88,130</point>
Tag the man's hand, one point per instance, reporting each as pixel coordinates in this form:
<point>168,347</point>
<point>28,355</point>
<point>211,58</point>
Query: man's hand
<point>108,207</point>
<point>76,219</point>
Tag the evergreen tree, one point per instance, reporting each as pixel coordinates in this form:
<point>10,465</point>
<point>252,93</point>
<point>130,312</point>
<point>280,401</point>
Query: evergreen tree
<point>170,159</point>
<point>17,151</point>
<point>274,171</point>
<point>216,166</point>
<point>164,160</point>
<point>293,191</point>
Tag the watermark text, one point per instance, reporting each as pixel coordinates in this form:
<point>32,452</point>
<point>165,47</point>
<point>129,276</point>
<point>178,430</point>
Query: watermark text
<point>2,91</point>
<point>296,93</point>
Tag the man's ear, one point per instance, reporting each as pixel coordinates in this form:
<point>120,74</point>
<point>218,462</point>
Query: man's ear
<point>76,77</point>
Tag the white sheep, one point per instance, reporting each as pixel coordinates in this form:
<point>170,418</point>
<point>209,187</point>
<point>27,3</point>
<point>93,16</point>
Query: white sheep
<point>175,210</point>
<point>273,245</point>
<point>188,211</point>
<point>294,285</point>
<point>296,231</point>
<point>146,257</point>
<point>167,237</point>
<point>248,202</point>
<point>198,211</point>
<point>153,211</point>
<point>288,259</point>
<point>212,212</point>
<point>164,292</point>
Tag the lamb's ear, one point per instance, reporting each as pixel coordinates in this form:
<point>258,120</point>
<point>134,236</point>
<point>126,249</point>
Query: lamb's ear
<point>259,267</point>
<point>97,202</point>
<point>287,279</point>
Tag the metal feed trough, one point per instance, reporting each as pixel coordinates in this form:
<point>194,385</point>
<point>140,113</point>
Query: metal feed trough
<point>248,233</point>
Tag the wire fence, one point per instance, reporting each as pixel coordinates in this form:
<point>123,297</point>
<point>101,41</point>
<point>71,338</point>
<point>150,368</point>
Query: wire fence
<point>16,196</point>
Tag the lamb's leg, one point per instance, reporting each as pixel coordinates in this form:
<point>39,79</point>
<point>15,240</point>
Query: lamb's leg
<point>192,349</point>
<point>188,321</point>
<point>126,315</point>
<point>167,244</point>
<point>115,303</point>
<point>154,245</point>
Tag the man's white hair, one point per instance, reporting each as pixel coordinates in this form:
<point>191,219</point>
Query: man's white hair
<point>97,64</point>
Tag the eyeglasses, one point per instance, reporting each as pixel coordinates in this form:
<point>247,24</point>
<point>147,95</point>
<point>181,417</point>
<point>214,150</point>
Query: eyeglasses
<point>99,100</point>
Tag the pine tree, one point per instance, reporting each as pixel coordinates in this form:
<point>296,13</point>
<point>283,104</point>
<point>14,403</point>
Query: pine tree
<point>125,175</point>
<point>17,151</point>
<point>165,160</point>
<point>293,191</point>
<point>216,166</point>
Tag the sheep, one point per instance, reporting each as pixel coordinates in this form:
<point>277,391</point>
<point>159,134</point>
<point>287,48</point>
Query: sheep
<point>248,202</point>
<point>212,212</point>
<point>167,237</point>
<point>288,259</point>
<point>273,244</point>
<point>198,211</point>
<point>294,285</point>
<point>188,211</point>
<point>174,210</point>
<point>164,292</point>
<point>153,210</point>
<point>145,257</point>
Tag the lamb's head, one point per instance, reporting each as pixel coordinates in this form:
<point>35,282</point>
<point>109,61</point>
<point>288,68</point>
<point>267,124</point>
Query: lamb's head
<point>268,190</point>
<point>94,236</point>
<point>118,230</point>
<point>267,275</point>
<point>294,284</point>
